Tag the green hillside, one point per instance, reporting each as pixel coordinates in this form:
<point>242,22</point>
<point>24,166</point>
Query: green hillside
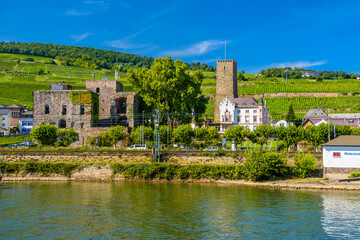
<point>21,74</point>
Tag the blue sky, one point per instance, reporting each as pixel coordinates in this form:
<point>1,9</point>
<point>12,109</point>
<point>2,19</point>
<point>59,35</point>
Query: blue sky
<point>317,34</point>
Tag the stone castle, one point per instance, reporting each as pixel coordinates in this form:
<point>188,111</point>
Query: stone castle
<point>230,109</point>
<point>103,104</point>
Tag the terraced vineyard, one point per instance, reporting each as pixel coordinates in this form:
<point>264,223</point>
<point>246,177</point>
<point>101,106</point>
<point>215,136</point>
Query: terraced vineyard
<point>17,88</point>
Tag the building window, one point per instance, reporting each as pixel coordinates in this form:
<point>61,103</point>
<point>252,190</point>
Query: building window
<point>238,111</point>
<point>227,117</point>
<point>247,111</point>
<point>3,118</point>
<point>47,109</point>
<point>63,110</point>
<point>82,125</point>
<point>255,119</point>
<point>255,111</point>
<point>3,124</point>
<point>238,119</point>
<point>247,119</point>
<point>97,90</point>
<point>82,110</point>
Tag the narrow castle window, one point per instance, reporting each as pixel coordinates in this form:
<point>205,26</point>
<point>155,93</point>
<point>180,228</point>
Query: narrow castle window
<point>82,110</point>
<point>47,109</point>
<point>224,68</point>
<point>63,110</point>
<point>97,90</point>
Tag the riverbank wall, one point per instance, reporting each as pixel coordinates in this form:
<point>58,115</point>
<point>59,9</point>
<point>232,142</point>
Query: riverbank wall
<point>116,172</point>
<point>227,159</point>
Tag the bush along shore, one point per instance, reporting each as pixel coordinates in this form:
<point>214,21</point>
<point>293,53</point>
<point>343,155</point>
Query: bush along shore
<point>259,166</point>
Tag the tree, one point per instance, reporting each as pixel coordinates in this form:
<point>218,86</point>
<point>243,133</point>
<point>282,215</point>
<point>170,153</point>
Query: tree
<point>183,134</point>
<point>237,134</point>
<point>169,86</point>
<point>164,134</point>
<point>148,135</point>
<point>200,134</point>
<point>212,135</point>
<point>45,134</point>
<point>66,137</point>
<point>116,134</point>
<point>290,135</point>
<point>290,116</point>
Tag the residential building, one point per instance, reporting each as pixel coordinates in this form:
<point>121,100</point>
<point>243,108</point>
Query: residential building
<point>341,156</point>
<point>315,117</point>
<point>281,123</point>
<point>15,113</point>
<point>4,121</point>
<point>26,122</point>
<point>309,73</point>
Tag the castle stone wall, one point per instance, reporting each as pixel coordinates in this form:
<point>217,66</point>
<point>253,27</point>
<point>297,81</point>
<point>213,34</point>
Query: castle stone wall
<point>226,83</point>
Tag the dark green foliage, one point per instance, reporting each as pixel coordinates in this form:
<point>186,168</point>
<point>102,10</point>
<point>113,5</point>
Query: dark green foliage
<point>108,138</point>
<point>290,117</point>
<point>66,137</point>
<point>169,86</point>
<point>260,166</point>
<point>86,56</point>
<point>304,164</point>
<point>43,168</point>
<point>45,134</point>
<point>148,171</point>
<point>183,134</point>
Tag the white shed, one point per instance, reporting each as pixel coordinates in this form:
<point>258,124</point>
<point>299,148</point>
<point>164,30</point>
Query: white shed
<point>341,156</point>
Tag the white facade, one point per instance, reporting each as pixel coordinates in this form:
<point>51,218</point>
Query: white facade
<point>341,157</point>
<point>281,123</point>
<point>242,112</point>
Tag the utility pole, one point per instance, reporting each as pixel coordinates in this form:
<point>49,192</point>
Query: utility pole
<point>286,75</point>
<point>93,74</point>
<point>143,136</point>
<point>168,121</point>
<point>329,125</point>
<point>157,136</point>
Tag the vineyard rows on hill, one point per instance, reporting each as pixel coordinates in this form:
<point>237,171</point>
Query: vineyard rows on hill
<point>309,87</point>
<point>281,105</point>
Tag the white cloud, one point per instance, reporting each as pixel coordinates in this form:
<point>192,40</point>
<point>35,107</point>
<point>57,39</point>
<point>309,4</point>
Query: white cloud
<point>299,64</point>
<point>77,13</point>
<point>125,44</point>
<point>196,49</point>
<point>128,43</point>
<point>78,38</point>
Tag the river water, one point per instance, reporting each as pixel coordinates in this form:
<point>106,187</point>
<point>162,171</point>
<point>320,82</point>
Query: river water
<point>88,210</point>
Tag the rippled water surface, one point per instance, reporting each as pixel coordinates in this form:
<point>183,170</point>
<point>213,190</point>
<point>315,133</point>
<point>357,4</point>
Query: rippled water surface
<point>173,211</point>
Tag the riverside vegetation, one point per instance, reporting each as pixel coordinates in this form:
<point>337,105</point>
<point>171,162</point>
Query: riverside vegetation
<point>259,165</point>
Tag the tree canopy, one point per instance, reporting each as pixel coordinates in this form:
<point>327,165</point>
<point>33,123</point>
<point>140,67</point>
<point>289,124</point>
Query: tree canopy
<point>169,86</point>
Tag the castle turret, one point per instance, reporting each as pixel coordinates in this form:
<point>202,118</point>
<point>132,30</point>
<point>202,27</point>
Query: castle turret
<point>226,83</point>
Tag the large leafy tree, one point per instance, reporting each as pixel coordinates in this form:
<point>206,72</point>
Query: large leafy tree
<point>66,137</point>
<point>237,134</point>
<point>169,86</point>
<point>45,134</point>
<point>183,134</point>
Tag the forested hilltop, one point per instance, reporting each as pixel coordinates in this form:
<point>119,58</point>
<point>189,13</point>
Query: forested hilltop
<point>86,57</point>
<point>297,73</point>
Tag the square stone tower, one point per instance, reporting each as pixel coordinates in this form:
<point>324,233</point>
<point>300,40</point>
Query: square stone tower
<point>226,83</point>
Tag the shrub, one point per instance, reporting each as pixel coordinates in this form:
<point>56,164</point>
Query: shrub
<point>261,166</point>
<point>304,164</point>
<point>354,174</point>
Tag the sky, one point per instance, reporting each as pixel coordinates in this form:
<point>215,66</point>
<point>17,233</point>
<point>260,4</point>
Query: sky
<point>259,34</point>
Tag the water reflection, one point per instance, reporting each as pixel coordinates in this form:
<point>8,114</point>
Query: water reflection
<point>341,211</point>
<point>171,211</point>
